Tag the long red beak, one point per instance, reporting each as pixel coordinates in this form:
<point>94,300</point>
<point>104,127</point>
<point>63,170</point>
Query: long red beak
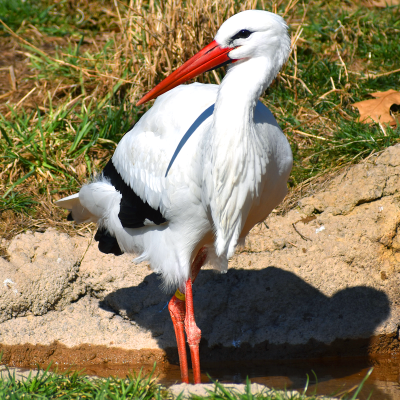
<point>208,58</point>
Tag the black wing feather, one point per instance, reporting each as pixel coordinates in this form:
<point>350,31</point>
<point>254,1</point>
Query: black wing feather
<point>133,210</point>
<point>107,244</point>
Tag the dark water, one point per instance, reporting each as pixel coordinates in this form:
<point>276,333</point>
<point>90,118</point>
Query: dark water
<point>326,377</point>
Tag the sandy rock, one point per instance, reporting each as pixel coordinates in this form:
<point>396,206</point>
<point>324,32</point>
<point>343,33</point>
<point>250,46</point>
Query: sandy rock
<point>187,390</point>
<point>362,183</point>
<point>40,276</point>
<point>321,280</point>
<point>66,294</point>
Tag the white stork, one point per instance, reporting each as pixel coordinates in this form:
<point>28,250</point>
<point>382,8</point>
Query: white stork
<point>198,170</point>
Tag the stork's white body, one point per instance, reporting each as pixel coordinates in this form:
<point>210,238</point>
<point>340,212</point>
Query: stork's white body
<point>220,185</point>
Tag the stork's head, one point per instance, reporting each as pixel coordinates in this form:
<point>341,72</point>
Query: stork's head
<point>246,35</point>
<point>254,33</point>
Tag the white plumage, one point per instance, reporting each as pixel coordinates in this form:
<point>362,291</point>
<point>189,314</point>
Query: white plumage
<point>229,175</point>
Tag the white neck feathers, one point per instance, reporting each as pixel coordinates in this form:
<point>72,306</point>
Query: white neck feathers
<point>234,146</point>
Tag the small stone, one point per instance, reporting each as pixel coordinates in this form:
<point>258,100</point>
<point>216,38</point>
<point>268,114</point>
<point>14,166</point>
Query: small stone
<point>279,244</point>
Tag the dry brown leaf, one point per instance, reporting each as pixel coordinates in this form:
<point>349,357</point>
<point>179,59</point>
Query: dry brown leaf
<point>378,109</point>
<point>382,3</point>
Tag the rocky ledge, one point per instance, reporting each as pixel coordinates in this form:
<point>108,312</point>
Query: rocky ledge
<point>323,280</point>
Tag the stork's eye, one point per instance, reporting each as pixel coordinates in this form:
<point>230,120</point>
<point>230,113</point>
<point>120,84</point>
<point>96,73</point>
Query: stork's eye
<point>243,34</point>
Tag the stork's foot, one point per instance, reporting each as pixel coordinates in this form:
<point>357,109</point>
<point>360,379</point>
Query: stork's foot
<point>177,311</point>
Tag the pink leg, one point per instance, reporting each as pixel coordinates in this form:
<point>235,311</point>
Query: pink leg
<point>180,305</point>
<point>176,309</point>
<point>193,333</point>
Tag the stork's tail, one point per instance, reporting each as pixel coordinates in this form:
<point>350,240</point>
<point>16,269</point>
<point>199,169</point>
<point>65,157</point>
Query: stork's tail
<point>107,243</point>
<point>78,213</point>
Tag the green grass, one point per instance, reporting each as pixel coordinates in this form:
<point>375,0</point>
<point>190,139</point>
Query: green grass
<point>367,41</point>
<point>51,144</point>
<point>105,58</point>
<point>52,18</point>
<point>46,385</point>
<point>15,13</point>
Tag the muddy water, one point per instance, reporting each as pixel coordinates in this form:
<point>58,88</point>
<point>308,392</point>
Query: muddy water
<point>334,375</point>
<point>325,376</point>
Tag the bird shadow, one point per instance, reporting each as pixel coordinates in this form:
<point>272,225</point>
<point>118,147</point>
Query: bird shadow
<point>258,315</point>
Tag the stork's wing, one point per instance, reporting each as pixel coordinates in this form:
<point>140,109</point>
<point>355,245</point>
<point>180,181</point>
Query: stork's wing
<point>144,154</point>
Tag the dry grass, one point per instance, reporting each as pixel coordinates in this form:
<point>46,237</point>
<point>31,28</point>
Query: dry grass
<point>145,41</point>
